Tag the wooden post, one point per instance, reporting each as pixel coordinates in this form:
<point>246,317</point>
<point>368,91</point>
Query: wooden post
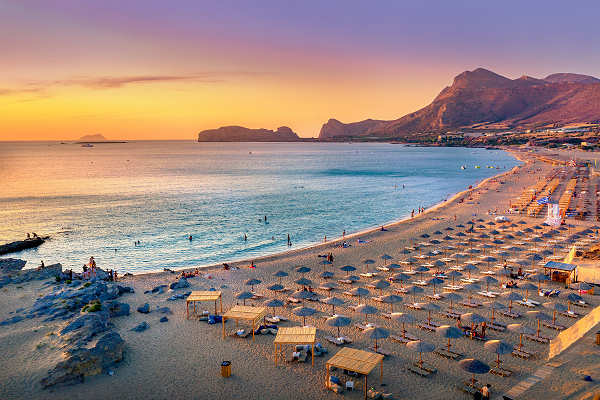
<point>223,319</point>
<point>381,370</point>
<point>313,354</point>
<point>275,354</point>
<point>253,330</point>
<point>221,301</point>
<point>215,307</point>
<point>187,309</point>
<point>365,387</point>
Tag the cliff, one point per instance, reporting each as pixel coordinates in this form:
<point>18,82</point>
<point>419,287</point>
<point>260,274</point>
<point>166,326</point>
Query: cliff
<point>242,134</point>
<point>482,97</point>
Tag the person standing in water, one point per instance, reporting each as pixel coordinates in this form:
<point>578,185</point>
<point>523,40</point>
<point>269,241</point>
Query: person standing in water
<point>190,238</point>
<point>265,219</point>
<point>289,240</point>
<point>245,238</point>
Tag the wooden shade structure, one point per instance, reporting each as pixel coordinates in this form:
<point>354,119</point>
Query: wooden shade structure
<point>247,313</point>
<point>296,335</point>
<point>355,360</point>
<point>203,295</point>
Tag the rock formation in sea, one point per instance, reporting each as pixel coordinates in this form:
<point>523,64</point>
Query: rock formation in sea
<point>484,97</point>
<point>242,134</point>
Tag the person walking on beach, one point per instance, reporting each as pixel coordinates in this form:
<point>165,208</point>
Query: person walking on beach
<point>325,239</point>
<point>344,234</point>
<point>412,214</point>
<point>245,238</point>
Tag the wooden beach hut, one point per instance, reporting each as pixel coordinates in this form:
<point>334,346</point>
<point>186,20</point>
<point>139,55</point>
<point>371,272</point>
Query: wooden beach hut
<point>203,296</point>
<point>296,335</point>
<point>246,313</point>
<point>359,361</point>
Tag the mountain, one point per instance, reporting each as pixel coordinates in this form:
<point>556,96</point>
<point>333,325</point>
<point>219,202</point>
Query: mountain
<point>482,97</point>
<point>92,138</point>
<point>242,134</point>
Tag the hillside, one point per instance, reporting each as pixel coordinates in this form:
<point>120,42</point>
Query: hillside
<point>484,97</point>
<point>92,138</point>
<point>242,134</point>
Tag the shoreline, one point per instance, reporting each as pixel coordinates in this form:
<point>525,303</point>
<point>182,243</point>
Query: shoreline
<point>338,240</point>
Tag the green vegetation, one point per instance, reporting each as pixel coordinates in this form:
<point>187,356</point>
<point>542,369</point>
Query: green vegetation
<point>93,306</point>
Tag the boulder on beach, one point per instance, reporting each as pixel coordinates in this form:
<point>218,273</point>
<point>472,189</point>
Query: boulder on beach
<point>82,362</point>
<point>141,327</point>
<point>11,265</point>
<point>144,309</point>
<point>180,284</point>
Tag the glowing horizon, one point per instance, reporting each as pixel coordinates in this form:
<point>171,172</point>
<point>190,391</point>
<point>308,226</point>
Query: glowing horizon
<point>144,70</point>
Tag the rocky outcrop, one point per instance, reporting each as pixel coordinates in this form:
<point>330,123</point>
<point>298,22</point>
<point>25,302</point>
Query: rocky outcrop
<point>82,362</point>
<point>180,284</point>
<point>336,129</point>
<point>141,327</point>
<point>11,265</point>
<point>21,245</point>
<point>241,134</point>
<point>482,97</point>
<point>14,275</point>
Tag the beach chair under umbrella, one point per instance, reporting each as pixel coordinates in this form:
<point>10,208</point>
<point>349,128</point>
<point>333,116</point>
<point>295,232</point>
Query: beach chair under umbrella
<point>376,333</point>
<point>368,262</point>
<point>539,278</point>
<point>391,299</point>
<point>512,296</point>
<point>360,292</point>
<point>394,266</point>
<point>333,301</point>
<point>495,305</point>
<point>380,284</point>
<point>420,347</point>
<point>433,282</point>
<point>326,275</point>
<point>453,297</point>
<point>273,303</point>
<point>252,282</point>
<point>244,296</point>
<point>338,321</point>
<point>429,307</point>
<point>348,268</point>
<point>386,258</point>
<point>402,318</point>
<point>499,347</point>
<point>555,307</point>
<point>276,287</point>
<point>539,316</point>
<point>473,367</point>
<point>449,332</point>
<point>414,291</point>
<point>521,330</point>
<point>302,270</point>
<point>304,312</point>
<point>400,276</point>
<point>528,286</point>
<point>573,298</point>
<point>302,295</point>
<point>473,318</point>
<point>303,282</point>
<point>280,274</point>
<point>366,309</point>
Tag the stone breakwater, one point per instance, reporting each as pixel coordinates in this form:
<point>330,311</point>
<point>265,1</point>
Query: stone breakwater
<point>21,245</point>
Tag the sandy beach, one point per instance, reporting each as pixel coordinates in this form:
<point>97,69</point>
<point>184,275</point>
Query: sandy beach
<point>181,358</point>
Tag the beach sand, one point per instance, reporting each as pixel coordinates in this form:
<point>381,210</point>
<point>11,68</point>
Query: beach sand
<point>181,358</point>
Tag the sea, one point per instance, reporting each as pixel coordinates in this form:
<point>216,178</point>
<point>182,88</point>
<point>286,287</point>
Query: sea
<point>100,201</point>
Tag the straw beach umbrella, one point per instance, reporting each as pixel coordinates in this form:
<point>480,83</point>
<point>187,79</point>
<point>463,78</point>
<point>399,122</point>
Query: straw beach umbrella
<point>413,291</point>
<point>280,274</point>
<point>499,347</point>
<point>400,276</point>
<point>333,301</point>
<point>368,262</point>
<point>376,333</point>
<point>429,307</point>
<point>539,278</point>
<point>473,318</point>
<point>244,296</point>
<point>302,270</point>
<point>338,321</point>
<point>449,332</point>
<point>304,312</point>
<point>276,287</point>
<point>453,297</point>
<point>366,309</point>
<point>494,305</point>
<point>360,292</point>
<point>474,367</point>
<point>539,316</point>
<point>521,330</point>
<point>273,303</point>
<point>391,299</point>
<point>252,282</point>
<point>511,297</point>
<point>555,307</point>
<point>528,286</point>
<point>303,282</point>
<point>420,347</point>
<point>380,284</point>
<point>572,298</point>
<point>348,268</point>
<point>402,318</point>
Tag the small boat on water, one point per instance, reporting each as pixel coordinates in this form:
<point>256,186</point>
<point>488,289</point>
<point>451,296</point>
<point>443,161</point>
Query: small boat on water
<point>477,166</point>
<point>463,167</point>
<point>87,145</point>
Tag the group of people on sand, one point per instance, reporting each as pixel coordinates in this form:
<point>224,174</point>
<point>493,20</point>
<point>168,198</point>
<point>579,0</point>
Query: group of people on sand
<point>190,274</point>
<point>419,211</point>
<point>473,331</point>
<point>32,236</point>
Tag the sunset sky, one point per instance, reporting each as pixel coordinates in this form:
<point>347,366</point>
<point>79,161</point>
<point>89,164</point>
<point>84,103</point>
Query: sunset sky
<point>155,69</point>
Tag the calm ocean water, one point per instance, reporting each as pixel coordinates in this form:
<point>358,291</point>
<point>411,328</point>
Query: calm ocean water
<point>92,201</point>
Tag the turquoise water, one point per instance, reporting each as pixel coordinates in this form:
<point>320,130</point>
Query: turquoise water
<point>92,201</point>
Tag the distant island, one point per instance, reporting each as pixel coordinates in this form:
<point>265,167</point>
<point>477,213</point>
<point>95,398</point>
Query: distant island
<point>242,134</point>
<point>97,139</point>
<point>93,138</point>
